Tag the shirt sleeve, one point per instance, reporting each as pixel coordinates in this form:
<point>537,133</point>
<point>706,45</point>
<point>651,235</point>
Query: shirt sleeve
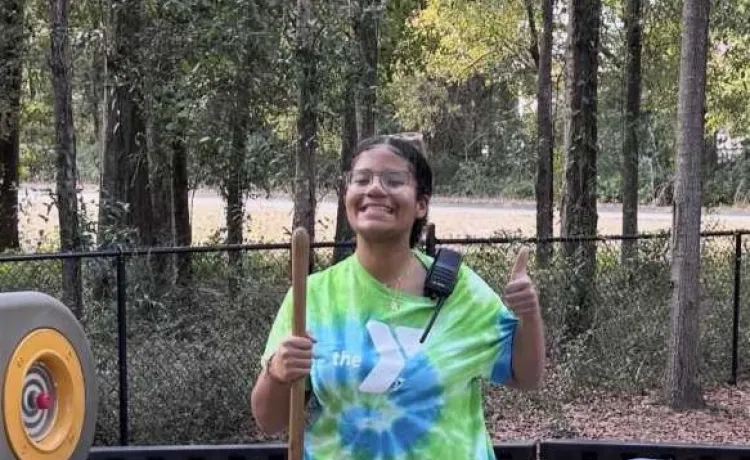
<point>280,329</point>
<point>499,367</point>
<point>487,329</point>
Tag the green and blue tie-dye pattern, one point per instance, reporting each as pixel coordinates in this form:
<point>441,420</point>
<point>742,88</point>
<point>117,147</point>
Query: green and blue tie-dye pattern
<point>378,392</point>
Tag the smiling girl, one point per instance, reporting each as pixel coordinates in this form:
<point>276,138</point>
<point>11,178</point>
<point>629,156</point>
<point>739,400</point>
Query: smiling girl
<point>376,390</point>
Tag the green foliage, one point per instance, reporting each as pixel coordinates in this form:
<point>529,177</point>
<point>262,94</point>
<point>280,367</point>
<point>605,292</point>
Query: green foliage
<point>729,183</point>
<point>473,37</point>
<point>460,72</point>
<point>401,45</point>
<point>36,158</point>
<point>729,72</point>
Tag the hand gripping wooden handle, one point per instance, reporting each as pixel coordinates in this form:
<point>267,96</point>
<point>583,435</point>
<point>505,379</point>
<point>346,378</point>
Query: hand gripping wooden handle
<point>300,267</point>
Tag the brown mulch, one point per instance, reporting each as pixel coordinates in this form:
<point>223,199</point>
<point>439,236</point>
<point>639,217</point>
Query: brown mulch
<point>725,419</point>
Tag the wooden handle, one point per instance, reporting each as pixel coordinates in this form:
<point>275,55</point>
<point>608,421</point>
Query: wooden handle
<point>300,267</point>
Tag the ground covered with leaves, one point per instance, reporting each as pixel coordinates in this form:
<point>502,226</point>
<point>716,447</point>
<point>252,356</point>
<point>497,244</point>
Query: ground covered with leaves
<point>725,419</point>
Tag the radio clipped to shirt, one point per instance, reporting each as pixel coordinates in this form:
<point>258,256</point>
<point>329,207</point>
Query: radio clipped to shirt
<point>441,279</point>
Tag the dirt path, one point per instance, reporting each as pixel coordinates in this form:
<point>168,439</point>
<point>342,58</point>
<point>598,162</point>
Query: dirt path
<point>724,420</point>
<point>269,219</point>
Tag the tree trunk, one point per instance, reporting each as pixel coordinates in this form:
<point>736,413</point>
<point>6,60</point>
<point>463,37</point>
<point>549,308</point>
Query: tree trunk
<point>142,216</point>
<point>682,388</point>
<point>70,241</point>
<point>579,212</point>
<point>160,188</point>
<point>544,171</point>
<point>307,122</point>
<point>125,166</point>
<point>124,206</point>
<point>11,67</point>
<point>235,189</point>
<point>235,182</point>
<point>181,205</point>
<point>348,143</point>
<point>93,93</point>
<point>634,21</point>
<point>366,32</point>
<point>112,192</point>
<point>710,158</point>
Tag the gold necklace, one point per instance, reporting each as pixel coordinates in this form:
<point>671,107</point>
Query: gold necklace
<point>395,288</point>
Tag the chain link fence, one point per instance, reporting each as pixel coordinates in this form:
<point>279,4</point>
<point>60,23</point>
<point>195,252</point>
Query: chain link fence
<point>177,333</point>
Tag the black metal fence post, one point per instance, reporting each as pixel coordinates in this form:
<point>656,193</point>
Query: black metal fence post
<point>122,351</point>
<point>736,315</point>
<point>430,240</point>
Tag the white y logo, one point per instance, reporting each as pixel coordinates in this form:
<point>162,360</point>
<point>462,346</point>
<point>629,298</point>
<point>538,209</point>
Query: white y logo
<point>394,349</point>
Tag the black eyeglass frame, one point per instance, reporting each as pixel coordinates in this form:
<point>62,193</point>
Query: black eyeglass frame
<point>348,175</point>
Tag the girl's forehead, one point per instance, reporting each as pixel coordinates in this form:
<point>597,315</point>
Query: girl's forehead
<point>380,155</point>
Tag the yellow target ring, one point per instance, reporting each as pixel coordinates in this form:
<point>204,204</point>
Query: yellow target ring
<point>49,350</point>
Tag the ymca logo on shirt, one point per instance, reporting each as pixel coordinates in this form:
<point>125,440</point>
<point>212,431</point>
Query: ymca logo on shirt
<point>394,346</point>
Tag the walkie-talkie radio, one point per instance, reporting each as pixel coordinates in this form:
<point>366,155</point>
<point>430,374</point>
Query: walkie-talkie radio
<point>441,279</point>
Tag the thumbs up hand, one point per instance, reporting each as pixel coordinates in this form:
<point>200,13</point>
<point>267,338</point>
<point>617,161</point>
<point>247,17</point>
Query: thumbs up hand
<point>520,295</point>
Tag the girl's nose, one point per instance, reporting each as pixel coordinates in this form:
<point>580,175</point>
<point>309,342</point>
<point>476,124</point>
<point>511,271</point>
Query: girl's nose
<point>375,187</point>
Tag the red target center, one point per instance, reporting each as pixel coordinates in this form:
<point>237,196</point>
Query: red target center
<point>43,401</point>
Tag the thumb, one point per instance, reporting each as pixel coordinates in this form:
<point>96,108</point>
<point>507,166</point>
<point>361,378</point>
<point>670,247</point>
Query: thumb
<point>519,268</point>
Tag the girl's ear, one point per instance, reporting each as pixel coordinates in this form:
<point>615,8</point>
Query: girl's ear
<point>422,204</point>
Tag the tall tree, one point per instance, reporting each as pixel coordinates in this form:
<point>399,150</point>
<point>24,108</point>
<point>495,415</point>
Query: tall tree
<point>166,105</point>
<point>365,25</point>
<point>249,91</point>
<point>125,201</point>
<point>183,235</point>
<point>579,212</point>
<point>359,99</point>
<point>11,70</point>
<point>634,24</point>
<point>125,212</point>
<point>544,169</point>
<point>349,137</point>
<point>67,204</point>
<point>682,388</point>
<point>235,181</point>
<point>307,121</point>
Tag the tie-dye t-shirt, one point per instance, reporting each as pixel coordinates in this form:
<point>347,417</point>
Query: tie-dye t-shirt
<point>377,392</point>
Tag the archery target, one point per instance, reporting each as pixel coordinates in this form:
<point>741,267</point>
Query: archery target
<point>48,396</point>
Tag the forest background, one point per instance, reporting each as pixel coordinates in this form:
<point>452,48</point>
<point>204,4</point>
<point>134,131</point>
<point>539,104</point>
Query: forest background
<point>134,123</point>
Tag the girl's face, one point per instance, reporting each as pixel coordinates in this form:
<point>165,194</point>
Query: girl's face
<point>381,196</point>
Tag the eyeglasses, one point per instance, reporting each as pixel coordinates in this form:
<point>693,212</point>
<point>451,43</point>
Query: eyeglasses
<point>389,179</point>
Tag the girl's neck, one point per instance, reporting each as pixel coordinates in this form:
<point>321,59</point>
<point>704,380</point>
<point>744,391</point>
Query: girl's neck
<point>385,262</point>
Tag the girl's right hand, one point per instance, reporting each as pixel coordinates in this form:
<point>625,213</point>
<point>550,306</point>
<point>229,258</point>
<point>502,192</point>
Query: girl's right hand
<point>293,359</point>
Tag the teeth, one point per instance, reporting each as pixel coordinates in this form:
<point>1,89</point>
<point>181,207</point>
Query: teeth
<point>378,206</point>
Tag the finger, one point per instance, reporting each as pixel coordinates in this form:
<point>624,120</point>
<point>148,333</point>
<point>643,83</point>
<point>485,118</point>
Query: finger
<point>292,353</point>
<point>530,308</point>
<point>519,268</point>
<point>520,295</point>
<point>527,312</point>
<point>286,355</point>
<point>518,285</point>
<point>296,375</point>
<point>298,364</point>
<point>523,303</point>
<point>300,343</point>
<point>301,368</point>
<point>515,300</point>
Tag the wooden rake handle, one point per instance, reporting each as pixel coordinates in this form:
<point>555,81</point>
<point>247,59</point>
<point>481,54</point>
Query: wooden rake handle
<point>300,267</point>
